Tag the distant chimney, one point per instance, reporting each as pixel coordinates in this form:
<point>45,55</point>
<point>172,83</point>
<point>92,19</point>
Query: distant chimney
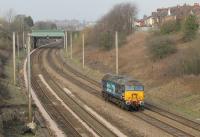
<point>169,12</point>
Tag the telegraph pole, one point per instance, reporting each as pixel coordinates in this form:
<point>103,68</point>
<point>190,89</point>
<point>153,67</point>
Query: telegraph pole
<point>71,44</point>
<point>18,45</point>
<point>14,61</point>
<point>29,81</point>
<point>66,41</point>
<point>117,59</point>
<point>83,38</point>
<point>23,40</point>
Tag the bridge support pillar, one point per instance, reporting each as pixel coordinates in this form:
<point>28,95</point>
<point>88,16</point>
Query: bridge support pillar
<point>35,42</point>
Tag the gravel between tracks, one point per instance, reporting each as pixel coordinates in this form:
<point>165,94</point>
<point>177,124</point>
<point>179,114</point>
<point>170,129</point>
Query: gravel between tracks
<point>189,127</point>
<point>64,105</point>
<point>99,128</point>
<point>123,120</point>
<point>188,131</point>
<point>53,126</point>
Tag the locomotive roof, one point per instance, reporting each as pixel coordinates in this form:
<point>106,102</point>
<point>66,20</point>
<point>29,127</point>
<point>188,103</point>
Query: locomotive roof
<point>121,80</point>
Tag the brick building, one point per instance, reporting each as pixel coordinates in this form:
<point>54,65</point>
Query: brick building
<point>172,13</point>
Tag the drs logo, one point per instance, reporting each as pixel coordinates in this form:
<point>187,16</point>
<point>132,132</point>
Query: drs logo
<point>110,87</point>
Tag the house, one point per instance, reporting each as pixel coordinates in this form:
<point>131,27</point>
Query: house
<point>162,15</point>
<point>150,21</point>
<point>170,16</point>
<point>139,23</point>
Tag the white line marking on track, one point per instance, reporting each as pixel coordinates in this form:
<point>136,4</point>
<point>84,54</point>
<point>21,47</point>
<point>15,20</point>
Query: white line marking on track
<point>52,125</point>
<point>69,92</point>
<point>95,114</point>
<point>71,111</point>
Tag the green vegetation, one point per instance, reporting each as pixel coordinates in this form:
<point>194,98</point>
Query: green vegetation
<point>161,47</point>
<point>106,39</point>
<point>170,27</point>
<point>6,29</point>
<point>12,119</point>
<point>190,28</point>
<point>191,65</point>
<point>189,61</point>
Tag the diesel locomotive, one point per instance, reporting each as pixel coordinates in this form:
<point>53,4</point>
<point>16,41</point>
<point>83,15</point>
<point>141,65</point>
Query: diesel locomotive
<point>123,91</point>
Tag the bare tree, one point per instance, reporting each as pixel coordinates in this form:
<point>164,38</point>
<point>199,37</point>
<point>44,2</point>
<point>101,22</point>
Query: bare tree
<point>45,25</point>
<point>10,15</point>
<point>120,19</point>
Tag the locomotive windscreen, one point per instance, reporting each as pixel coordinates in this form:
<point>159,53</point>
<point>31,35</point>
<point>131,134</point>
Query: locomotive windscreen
<point>134,88</point>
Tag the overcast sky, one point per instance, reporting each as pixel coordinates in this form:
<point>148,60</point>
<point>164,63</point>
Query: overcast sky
<point>89,10</point>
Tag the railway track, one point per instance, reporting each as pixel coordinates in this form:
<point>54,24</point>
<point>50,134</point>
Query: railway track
<point>47,102</point>
<point>90,120</point>
<point>148,106</point>
<point>173,116</point>
<point>166,127</point>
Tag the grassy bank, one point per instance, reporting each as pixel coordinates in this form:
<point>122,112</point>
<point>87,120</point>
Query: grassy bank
<point>164,87</point>
<point>14,107</point>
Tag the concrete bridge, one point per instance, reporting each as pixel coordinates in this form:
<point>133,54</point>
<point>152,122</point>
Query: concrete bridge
<point>46,34</point>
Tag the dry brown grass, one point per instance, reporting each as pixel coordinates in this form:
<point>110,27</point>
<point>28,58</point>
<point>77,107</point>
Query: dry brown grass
<point>162,87</point>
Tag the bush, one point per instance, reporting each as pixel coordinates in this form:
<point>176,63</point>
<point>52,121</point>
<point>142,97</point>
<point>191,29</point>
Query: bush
<point>4,93</point>
<point>190,28</point>
<point>119,18</point>
<point>106,40</point>
<point>170,27</point>
<point>161,47</point>
<point>189,63</point>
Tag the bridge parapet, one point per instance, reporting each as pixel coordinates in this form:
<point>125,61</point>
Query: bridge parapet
<point>44,34</point>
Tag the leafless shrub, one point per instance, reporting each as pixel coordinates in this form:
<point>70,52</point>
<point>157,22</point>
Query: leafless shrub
<point>4,93</point>
<point>45,25</point>
<point>160,47</point>
<point>10,15</point>
<point>188,62</point>
<point>119,19</point>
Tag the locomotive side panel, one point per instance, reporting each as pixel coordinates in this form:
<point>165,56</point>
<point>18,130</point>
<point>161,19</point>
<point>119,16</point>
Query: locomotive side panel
<point>128,94</point>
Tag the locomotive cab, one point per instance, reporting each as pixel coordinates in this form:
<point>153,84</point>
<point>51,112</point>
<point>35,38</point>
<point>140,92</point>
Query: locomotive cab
<point>124,91</point>
<point>134,96</point>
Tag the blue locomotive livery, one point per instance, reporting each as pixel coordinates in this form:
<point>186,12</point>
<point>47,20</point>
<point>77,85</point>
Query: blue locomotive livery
<point>123,91</point>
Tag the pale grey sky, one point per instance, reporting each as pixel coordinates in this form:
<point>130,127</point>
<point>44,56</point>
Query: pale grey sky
<point>89,10</point>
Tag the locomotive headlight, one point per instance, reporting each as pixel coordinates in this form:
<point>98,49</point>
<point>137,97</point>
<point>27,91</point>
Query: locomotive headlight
<point>128,102</point>
<point>141,103</point>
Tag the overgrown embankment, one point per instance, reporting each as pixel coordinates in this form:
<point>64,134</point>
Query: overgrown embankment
<point>13,98</point>
<point>5,53</point>
<point>166,61</point>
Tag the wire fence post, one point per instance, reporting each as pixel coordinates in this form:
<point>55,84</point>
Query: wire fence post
<point>83,40</point>
<point>14,60</point>
<point>71,40</point>
<point>66,41</point>
<point>117,54</point>
<point>29,81</point>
